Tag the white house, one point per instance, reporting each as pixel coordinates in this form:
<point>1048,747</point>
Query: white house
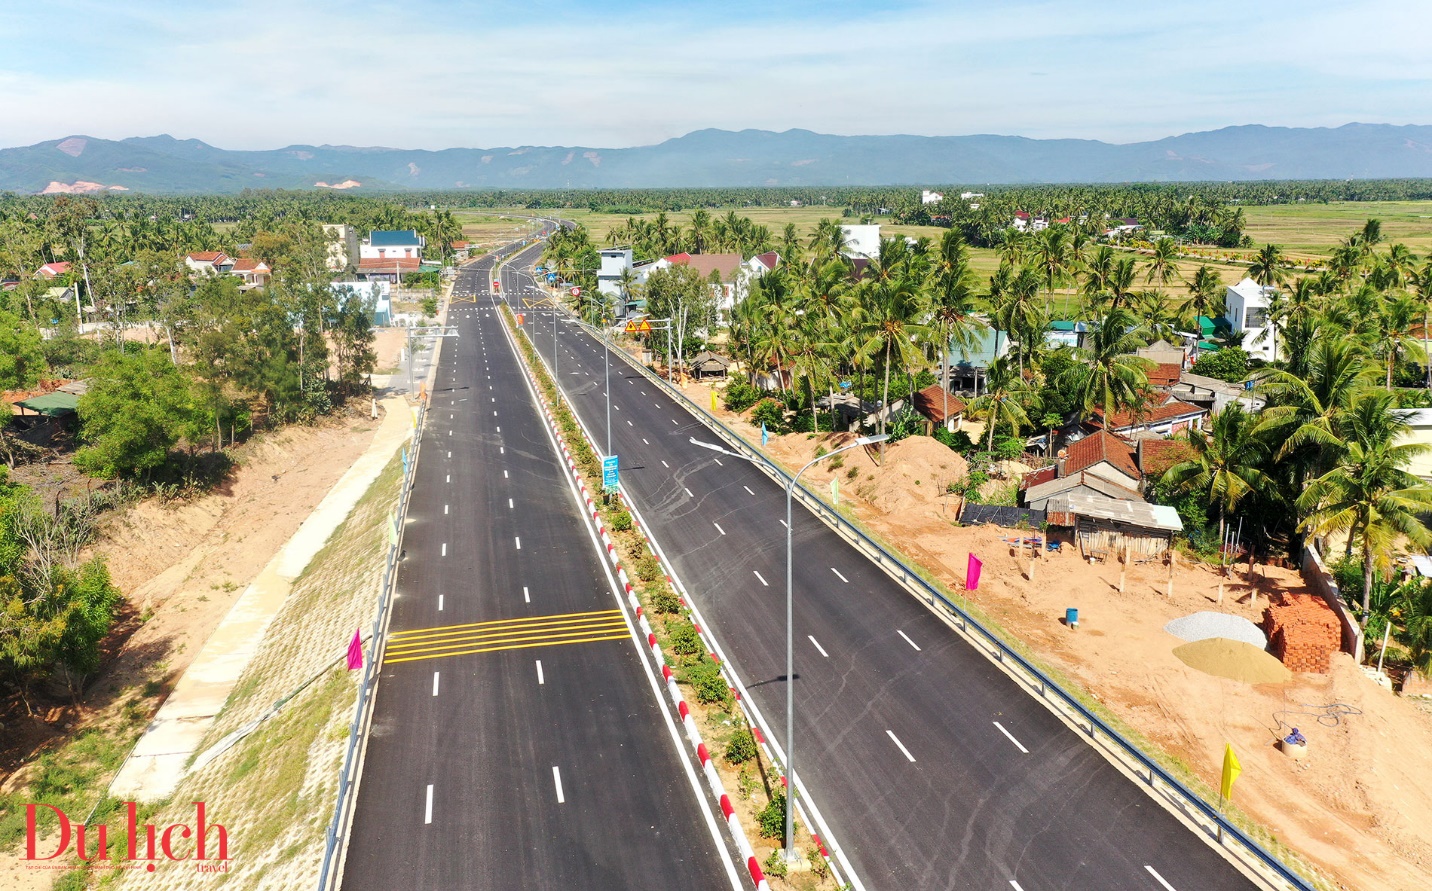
<point>1247,313</point>
<point>928,197</point>
<point>1419,424</point>
<point>615,261</point>
<point>401,244</point>
<point>208,262</point>
<point>861,241</point>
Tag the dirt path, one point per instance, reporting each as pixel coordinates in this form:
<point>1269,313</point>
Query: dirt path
<point>1359,805</point>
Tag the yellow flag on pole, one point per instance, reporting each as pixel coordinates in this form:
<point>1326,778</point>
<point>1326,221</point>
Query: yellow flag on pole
<point>1231,770</point>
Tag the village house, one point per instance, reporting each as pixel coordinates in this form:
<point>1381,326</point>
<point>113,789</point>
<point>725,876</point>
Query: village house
<point>939,409</point>
<point>1247,312</point>
<point>1161,419</point>
<point>255,273</point>
<point>389,244</point>
<point>51,271</point>
<point>208,262</point>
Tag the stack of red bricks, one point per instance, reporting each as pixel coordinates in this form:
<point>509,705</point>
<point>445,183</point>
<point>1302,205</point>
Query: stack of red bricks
<point>1303,631</point>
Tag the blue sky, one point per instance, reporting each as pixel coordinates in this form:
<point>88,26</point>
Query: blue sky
<point>444,73</point>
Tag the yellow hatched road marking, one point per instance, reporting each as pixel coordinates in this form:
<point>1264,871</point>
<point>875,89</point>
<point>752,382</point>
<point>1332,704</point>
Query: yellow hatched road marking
<point>530,621</point>
<point>521,646</point>
<point>510,634</point>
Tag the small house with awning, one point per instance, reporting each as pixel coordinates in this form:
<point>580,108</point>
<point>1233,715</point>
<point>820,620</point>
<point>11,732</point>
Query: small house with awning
<point>708,364</point>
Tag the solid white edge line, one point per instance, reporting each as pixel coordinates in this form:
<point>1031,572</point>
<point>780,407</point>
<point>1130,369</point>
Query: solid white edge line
<point>557,779</point>
<point>428,808</point>
<point>908,640</point>
<point>435,683</point>
<point>818,646</point>
<point>1017,744</point>
<point>839,576</point>
<point>762,578</point>
<point>1159,878</point>
<point>540,680</point>
<point>678,740</point>
<point>896,741</point>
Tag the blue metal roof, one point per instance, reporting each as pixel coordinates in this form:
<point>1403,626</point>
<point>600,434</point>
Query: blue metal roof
<point>394,238</point>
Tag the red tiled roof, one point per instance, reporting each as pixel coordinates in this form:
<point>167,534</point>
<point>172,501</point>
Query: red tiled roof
<point>1039,477</point>
<point>1149,417</point>
<point>52,270</point>
<point>249,266</point>
<point>459,245</point>
<point>207,256</point>
<point>388,264</point>
<point>1158,455</point>
<point>769,259</point>
<point>724,265</point>
<point>680,259</point>
<point>1165,374</point>
<point>1100,446</point>
<point>930,402</point>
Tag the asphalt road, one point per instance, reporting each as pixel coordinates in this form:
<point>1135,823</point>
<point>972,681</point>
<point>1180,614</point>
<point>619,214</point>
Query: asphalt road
<point>517,739</point>
<point>932,768</point>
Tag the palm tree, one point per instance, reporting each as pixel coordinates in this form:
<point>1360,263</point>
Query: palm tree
<point>700,230</point>
<point>1001,402</point>
<point>1162,320</point>
<point>1225,468</point>
<point>1163,267</point>
<point>1054,255</point>
<point>891,308</point>
<point>1423,284</point>
<point>1304,413</point>
<point>1113,377</point>
<point>1098,271</point>
<point>1368,493</point>
<point>952,305</point>
<point>1016,311</point>
<point>1269,267</point>
<point>1395,322</point>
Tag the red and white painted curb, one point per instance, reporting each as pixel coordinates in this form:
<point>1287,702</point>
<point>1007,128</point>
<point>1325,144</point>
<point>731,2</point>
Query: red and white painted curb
<point>693,733</point>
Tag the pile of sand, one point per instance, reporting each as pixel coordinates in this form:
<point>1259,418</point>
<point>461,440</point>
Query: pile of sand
<point>1233,659</point>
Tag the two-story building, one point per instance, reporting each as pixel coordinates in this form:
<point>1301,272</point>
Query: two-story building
<point>1247,312</point>
<point>391,244</point>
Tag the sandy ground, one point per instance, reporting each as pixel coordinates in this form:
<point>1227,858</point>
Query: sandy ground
<point>1359,805</point>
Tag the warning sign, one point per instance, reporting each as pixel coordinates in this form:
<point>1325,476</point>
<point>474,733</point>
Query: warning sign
<point>576,292</point>
<point>638,327</point>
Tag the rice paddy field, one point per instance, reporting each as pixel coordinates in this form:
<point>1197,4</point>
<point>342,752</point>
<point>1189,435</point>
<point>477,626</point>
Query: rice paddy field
<point>1306,232</point>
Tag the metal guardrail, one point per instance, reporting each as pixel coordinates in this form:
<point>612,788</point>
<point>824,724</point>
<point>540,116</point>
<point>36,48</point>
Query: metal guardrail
<point>1219,829</point>
<point>343,809</point>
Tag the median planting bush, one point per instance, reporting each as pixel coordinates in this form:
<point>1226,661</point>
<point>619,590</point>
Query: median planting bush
<point>706,682</point>
<point>684,640</point>
<point>741,747</point>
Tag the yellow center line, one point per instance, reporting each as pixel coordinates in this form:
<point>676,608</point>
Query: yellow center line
<point>521,646</point>
<point>530,620</point>
<point>501,637</point>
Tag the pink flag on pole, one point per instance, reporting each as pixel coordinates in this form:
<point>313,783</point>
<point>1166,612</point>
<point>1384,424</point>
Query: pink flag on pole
<point>972,574</point>
<point>355,652</point>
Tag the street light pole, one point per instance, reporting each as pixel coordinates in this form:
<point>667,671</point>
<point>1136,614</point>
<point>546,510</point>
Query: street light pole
<point>791,855</point>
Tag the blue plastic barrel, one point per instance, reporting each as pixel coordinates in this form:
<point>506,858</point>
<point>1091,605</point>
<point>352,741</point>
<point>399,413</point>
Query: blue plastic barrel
<point>1071,617</point>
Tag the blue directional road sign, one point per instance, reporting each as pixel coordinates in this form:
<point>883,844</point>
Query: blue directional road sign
<point>609,473</point>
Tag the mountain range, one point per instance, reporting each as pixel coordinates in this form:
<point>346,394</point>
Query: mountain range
<point>711,158</point>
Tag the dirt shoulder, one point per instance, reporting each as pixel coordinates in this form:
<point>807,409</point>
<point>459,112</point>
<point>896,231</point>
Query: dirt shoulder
<point>1359,806</point>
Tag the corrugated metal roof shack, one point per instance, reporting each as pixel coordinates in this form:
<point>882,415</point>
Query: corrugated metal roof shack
<point>1108,529</point>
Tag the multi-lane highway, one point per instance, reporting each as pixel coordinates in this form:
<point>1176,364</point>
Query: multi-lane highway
<point>518,740</point>
<point>932,768</point>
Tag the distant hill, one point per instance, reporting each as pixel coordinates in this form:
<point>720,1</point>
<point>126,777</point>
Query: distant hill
<point>724,158</point>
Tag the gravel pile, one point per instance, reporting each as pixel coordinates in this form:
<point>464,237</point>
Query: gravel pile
<point>1201,626</point>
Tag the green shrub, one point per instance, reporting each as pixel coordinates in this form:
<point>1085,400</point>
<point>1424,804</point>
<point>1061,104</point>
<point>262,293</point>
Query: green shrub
<point>707,683</point>
<point>740,396</point>
<point>685,641</point>
<point>663,600</point>
<point>958,440</point>
<point>741,747</point>
<point>775,864</point>
<point>772,818</point>
<point>648,568</point>
<point>619,521</point>
<point>769,412</point>
<point>430,306</point>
